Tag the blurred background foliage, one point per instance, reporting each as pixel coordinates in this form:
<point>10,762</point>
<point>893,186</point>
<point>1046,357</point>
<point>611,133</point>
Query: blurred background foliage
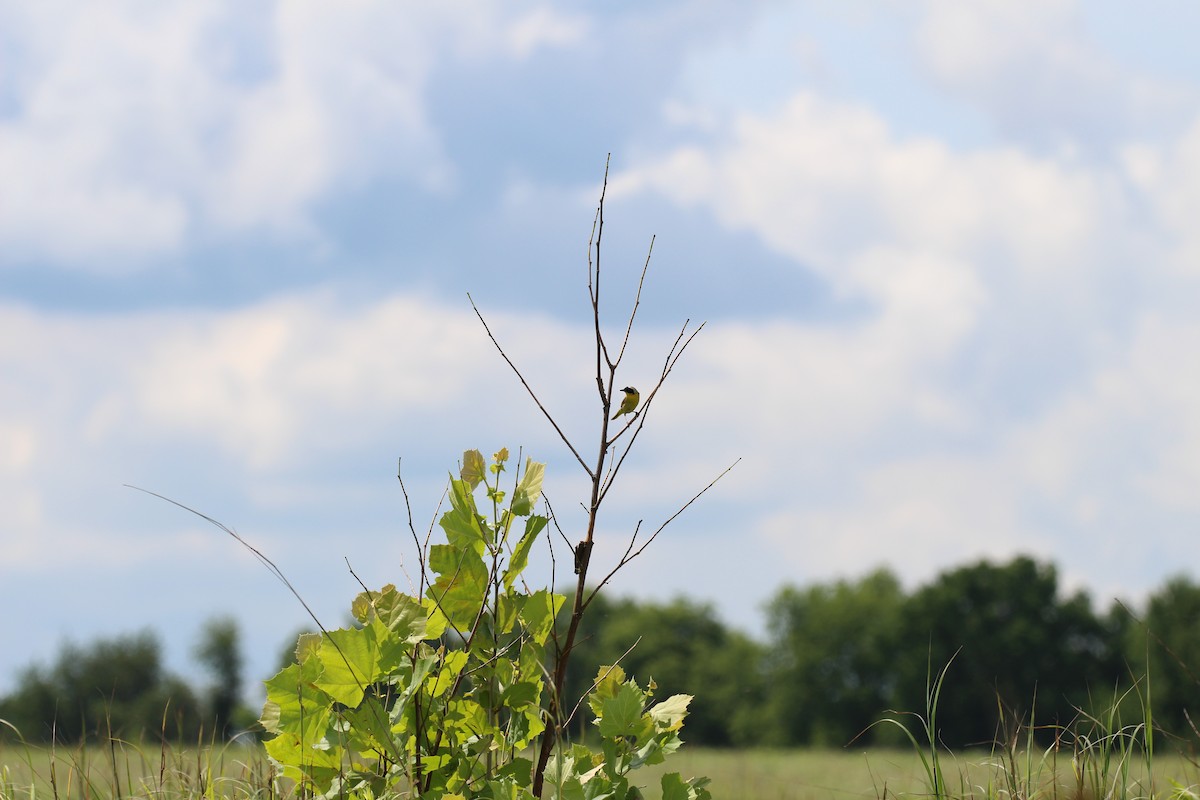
<point>835,658</point>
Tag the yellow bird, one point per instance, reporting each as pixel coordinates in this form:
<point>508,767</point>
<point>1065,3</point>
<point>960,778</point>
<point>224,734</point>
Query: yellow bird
<point>629,403</point>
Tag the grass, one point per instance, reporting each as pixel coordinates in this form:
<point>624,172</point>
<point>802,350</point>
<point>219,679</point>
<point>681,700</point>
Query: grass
<point>127,771</point>
<point>883,774</point>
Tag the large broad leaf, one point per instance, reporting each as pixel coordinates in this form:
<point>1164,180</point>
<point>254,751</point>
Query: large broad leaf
<point>621,715</point>
<point>295,705</point>
<point>539,612</point>
<point>473,467</point>
<point>461,586</point>
<point>404,616</point>
<point>668,715</point>
<point>461,523</point>
<point>452,665</point>
<point>520,556</point>
<point>609,680</point>
<point>529,490</point>
<point>370,729</point>
<point>435,621</point>
<point>301,760</point>
<point>351,662</point>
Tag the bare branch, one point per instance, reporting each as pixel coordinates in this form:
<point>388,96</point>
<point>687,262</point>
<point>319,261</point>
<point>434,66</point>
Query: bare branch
<point>354,574</point>
<point>673,356</point>
<point>594,246</point>
<point>554,519</point>
<point>525,383</point>
<point>637,301</point>
<point>411,527</point>
<point>625,559</point>
<point>601,479</point>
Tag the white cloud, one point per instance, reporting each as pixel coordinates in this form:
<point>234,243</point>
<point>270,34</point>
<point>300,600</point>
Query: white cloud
<point>1036,71</point>
<point>269,393</point>
<point>137,128</point>
<point>1014,370</point>
<point>544,27</point>
<point>821,181</point>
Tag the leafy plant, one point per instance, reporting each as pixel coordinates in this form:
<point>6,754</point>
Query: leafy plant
<point>444,693</point>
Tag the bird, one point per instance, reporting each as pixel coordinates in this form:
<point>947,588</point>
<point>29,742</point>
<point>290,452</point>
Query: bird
<point>629,403</point>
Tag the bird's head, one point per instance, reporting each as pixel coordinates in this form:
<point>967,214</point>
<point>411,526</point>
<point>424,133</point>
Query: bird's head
<point>629,390</point>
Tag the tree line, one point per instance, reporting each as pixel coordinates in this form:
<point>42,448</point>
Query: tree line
<point>837,657</point>
<point>119,687</point>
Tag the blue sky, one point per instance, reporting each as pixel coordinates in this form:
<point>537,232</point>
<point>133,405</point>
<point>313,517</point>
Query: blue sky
<point>946,252</point>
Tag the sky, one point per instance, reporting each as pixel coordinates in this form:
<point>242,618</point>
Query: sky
<point>945,253</point>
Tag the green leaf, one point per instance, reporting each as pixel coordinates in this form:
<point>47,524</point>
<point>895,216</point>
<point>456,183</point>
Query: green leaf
<point>539,612</point>
<point>435,621</point>
<point>509,611</point>
<point>404,615</point>
<point>521,694</point>
<point>620,715</point>
<point>529,490</point>
<point>472,468</point>
<point>295,705</point>
<point>609,679</point>
<point>520,556</point>
<point>674,788</point>
<point>452,665</point>
<point>461,586</point>
<point>461,523</point>
<point>306,646</point>
<point>369,727</point>
<point>519,769</point>
<point>302,759</point>
<point>350,658</point>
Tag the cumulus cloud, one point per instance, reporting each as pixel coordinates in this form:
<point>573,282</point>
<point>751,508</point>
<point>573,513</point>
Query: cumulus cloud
<point>131,131</point>
<point>985,392</point>
<point>1039,76</point>
<point>261,399</point>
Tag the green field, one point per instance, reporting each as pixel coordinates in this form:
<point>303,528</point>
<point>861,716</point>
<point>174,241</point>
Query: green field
<point>130,772</point>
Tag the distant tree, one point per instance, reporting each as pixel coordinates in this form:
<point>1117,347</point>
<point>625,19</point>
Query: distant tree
<point>833,649</point>
<point>1015,645</point>
<point>114,686</point>
<point>219,650</point>
<point>685,649</point>
<point>1170,645</point>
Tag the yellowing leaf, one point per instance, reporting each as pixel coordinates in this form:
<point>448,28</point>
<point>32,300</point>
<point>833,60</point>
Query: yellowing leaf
<point>473,467</point>
<point>668,715</point>
<point>529,489</point>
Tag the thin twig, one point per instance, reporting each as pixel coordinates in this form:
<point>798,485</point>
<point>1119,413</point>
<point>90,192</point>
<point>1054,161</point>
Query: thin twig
<point>630,557</point>
<point>354,575</point>
<point>268,563</point>
<point>599,678</point>
<point>278,573</point>
<point>673,356</point>
<point>525,383</point>
<point>637,301</point>
<point>594,246</point>
<point>412,528</point>
<point>554,519</point>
